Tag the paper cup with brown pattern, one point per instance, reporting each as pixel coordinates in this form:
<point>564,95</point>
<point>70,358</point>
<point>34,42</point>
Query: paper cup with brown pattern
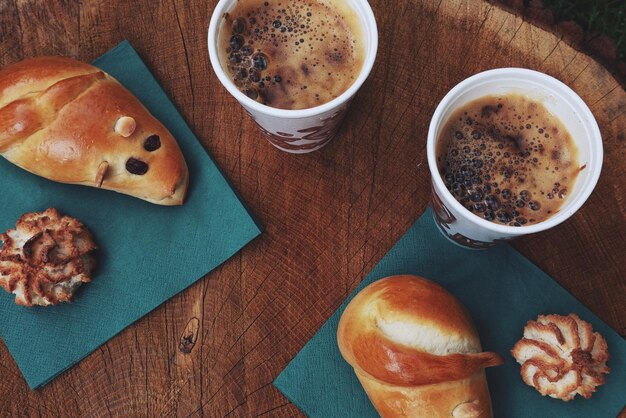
<point>305,130</point>
<point>471,231</point>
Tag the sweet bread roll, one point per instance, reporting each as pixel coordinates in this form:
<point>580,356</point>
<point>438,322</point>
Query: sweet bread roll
<point>70,122</point>
<point>415,350</point>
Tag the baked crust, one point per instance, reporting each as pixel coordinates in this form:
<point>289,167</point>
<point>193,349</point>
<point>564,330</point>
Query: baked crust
<point>70,122</point>
<point>45,258</point>
<point>415,350</point>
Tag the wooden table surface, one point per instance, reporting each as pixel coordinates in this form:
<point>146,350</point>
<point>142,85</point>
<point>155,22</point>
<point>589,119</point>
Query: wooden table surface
<point>329,216</point>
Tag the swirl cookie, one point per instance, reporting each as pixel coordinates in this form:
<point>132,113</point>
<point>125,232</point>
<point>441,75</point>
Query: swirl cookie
<point>561,356</point>
<point>45,258</point>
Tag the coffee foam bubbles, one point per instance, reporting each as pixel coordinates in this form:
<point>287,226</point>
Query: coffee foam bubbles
<point>291,54</point>
<point>507,159</point>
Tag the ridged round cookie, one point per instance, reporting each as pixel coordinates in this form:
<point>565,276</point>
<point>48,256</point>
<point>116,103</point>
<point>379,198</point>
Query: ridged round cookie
<point>561,356</point>
<point>45,258</point>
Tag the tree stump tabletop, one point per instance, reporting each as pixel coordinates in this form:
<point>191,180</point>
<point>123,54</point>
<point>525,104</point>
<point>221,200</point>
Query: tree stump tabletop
<point>329,216</point>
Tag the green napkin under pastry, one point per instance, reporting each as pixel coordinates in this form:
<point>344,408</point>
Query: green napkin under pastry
<point>148,253</point>
<point>502,290</point>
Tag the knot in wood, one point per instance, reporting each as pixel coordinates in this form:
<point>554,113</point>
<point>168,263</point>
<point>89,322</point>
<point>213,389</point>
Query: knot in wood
<point>190,336</point>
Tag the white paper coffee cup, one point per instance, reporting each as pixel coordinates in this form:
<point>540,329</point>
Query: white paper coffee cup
<point>465,228</point>
<point>305,130</point>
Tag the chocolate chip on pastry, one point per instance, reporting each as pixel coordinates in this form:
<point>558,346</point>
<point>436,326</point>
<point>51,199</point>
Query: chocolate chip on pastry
<point>45,258</point>
<point>561,356</point>
<point>70,122</point>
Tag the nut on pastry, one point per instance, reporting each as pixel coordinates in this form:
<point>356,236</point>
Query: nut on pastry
<point>561,356</point>
<point>45,258</point>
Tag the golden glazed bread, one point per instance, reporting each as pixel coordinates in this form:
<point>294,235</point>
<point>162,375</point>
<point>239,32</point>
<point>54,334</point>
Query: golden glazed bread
<point>415,350</point>
<point>70,122</point>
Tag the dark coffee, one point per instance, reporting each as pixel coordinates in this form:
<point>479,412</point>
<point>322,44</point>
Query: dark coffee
<point>292,54</point>
<point>507,159</point>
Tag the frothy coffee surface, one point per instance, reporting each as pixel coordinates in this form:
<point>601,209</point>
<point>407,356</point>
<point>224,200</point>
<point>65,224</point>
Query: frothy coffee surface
<point>507,159</point>
<point>292,54</point>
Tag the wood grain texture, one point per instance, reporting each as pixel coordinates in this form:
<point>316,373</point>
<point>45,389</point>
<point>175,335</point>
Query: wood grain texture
<point>329,216</point>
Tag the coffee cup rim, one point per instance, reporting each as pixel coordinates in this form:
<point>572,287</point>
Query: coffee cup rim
<point>371,32</point>
<point>595,159</point>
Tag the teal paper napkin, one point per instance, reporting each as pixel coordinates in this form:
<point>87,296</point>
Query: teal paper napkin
<point>501,289</point>
<point>148,253</point>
